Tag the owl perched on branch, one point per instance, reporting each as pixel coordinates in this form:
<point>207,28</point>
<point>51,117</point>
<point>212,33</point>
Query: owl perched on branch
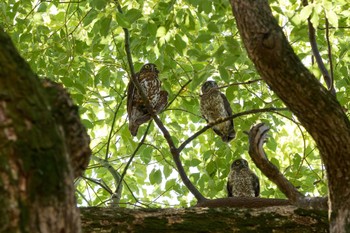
<point>242,182</point>
<point>215,106</point>
<point>150,83</point>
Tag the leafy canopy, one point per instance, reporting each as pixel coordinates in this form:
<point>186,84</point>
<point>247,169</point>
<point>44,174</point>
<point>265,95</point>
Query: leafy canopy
<point>81,44</point>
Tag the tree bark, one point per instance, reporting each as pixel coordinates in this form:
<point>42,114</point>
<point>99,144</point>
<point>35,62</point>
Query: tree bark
<point>269,219</point>
<point>36,179</point>
<point>316,108</point>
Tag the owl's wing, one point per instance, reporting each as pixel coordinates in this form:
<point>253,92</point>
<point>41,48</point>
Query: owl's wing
<point>229,189</point>
<point>256,185</point>
<point>226,105</point>
<point>130,95</point>
<point>232,132</point>
<point>202,99</point>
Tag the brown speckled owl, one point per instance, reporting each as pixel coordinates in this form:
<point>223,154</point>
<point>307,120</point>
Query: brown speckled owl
<point>150,83</point>
<point>242,182</point>
<point>215,106</point>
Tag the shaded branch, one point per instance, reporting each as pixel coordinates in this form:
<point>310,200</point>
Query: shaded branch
<point>257,137</point>
<point>243,202</point>
<point>312,37</point>
<point>278,219</point>
<point>329,53</point>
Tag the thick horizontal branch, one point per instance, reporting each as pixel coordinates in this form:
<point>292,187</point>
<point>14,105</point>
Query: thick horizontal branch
<point>243,202</point>
<point>269,219</point>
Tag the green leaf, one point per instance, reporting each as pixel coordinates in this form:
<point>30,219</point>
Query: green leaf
<point>122,20</point>
<point>306,12</point>
<point>203,37</point>
<point>211,168</point>
<point>224,75</point>
<point>105,24</point>
<point>161,31</point>
<point>88,124</point>
<point>167,170</point>
<point>146,155</point>
<point>132,15</point>
<point>155,177</point>
<point>332,18</point>
<point>98,4</point>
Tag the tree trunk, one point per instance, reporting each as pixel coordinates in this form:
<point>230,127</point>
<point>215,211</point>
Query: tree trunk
<point>316,108</point>
<point>269,219</point>
<point>36,180</point>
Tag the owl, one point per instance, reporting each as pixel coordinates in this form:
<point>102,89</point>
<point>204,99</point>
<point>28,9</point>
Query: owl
<point>215,106</point>
<point>150,83</point>
<point>242,182</point>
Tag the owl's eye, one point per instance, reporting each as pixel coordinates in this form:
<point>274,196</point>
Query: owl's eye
<point>146,66</point>
<point>237,163</point>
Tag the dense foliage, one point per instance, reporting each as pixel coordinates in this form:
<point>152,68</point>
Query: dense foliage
<point>81,44</point>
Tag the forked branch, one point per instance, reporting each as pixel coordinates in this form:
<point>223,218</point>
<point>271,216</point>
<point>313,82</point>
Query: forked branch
<point>257,137</point>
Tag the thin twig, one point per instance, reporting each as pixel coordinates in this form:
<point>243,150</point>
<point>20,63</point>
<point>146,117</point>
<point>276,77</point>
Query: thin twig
<point>179,92</point>
<point>132,156</point>
<point>112,128</point>
<point>240,83</point>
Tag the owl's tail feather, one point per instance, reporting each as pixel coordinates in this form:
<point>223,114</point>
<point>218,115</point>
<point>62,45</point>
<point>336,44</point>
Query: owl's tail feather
<point>133,128</point>
<point>134,125</point>
<point>229,137</point>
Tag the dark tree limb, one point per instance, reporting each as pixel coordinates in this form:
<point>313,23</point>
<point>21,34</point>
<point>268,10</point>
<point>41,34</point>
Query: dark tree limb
<point>257,137</point>
<point>312,37</point>
<point>316,108</point>
<point>278,219</point>
<point>330,54</point>
<point>243,202</point>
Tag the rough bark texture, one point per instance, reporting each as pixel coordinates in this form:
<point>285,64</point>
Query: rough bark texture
<point>316,108</point>
<point>270,219</point>
<point>36,180</point>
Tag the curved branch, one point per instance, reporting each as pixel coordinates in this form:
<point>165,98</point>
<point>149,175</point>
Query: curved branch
<point>205,128</point>
<point>257,137</point>
<point>312,37</point>
<point>117,194</point>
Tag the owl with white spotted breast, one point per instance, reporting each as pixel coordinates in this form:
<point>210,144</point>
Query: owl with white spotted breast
<point>215,106</point>
<point>150,84</point>
<point>242,182</point>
